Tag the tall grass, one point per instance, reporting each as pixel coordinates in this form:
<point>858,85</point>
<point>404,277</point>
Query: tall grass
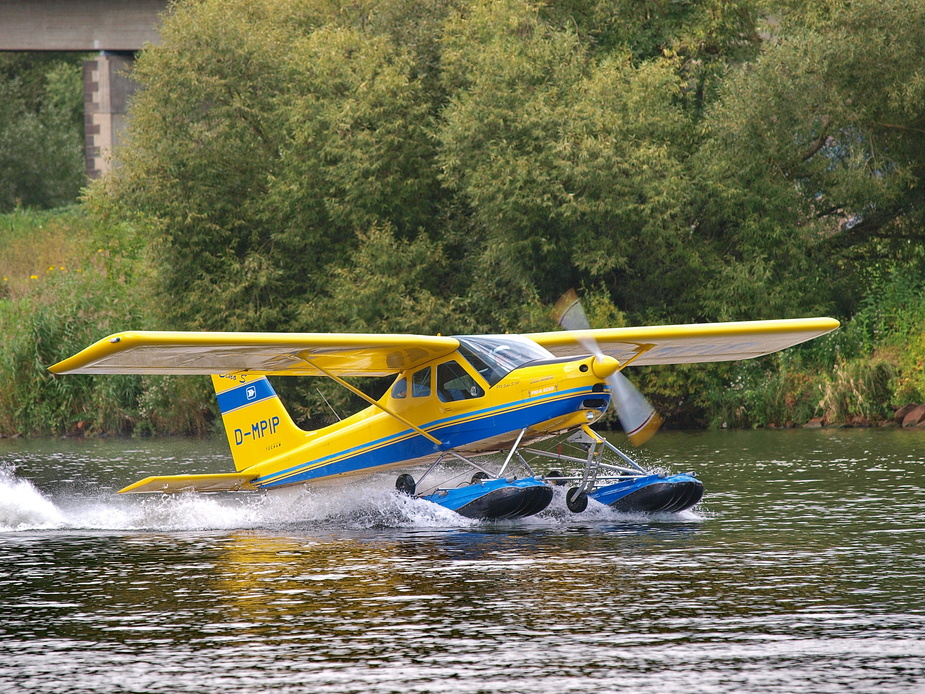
<point>63,314</point>
<point>94,286</point>
<point>34,244</point>
<point>859,389</point>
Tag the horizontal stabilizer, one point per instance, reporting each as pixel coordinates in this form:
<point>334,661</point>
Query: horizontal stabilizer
<point>230,482</point>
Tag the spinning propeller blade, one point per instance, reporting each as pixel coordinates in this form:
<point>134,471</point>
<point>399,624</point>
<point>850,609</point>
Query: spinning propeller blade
<point>637,417</point>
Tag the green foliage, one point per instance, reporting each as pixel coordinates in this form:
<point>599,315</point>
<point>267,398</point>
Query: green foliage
<point>706,31</point>
<point>261,145</point>
<point>565,162</point>
<point>775,391</point>
<point>816,148</point>
<point>894,320</point>
<point>874,364</point>
<point>910,384</point>
<point>686,158</point>
<point>95,287</point>
<point>681,394</point>
<point>455,165</point>
<point>41,131</point>
<point>60,318</point>
<point>171,405</point>
<point>269,137</point>
<point>389,285</point>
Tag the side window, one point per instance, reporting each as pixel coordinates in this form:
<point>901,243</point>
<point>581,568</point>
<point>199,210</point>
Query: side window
<point>420,383</point>
<point>454,383</point>
<point>400,389</point>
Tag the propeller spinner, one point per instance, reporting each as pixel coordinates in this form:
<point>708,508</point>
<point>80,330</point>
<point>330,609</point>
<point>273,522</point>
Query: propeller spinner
<point>637,417</point>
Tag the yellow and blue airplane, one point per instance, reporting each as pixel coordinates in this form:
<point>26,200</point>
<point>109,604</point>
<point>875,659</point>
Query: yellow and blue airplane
<point>454,398</point>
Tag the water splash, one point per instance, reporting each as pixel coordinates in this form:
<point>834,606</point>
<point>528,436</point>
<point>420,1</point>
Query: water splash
<point>23,507</point>
<point>371,505</point>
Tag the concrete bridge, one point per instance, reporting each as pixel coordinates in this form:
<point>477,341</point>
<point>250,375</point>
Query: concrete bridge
<point>117,29</point>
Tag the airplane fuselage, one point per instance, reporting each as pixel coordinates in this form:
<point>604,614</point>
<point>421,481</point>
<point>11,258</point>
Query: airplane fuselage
<point>449,399</point>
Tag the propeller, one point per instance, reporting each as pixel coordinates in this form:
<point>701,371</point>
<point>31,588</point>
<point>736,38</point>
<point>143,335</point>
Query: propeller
<point>637,417</point>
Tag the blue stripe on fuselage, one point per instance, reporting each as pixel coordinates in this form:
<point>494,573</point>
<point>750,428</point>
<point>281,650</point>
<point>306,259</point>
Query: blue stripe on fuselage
<point>245,394</point>
<point>407,445</point>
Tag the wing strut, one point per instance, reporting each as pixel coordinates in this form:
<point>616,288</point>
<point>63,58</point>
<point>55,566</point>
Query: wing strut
<point>357,391</point>
<point>640,350</point>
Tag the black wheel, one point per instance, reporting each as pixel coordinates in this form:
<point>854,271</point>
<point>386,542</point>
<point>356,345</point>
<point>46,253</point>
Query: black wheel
<point>479,477</point>
<point>575,501</point>
<point>405,484</point>
<point>556,473</point>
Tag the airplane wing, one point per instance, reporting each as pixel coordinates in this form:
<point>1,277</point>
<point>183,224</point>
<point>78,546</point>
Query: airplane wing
<point>689,344</point>
<point>342,354</point>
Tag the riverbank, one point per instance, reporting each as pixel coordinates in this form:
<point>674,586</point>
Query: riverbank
<point>910,416</point>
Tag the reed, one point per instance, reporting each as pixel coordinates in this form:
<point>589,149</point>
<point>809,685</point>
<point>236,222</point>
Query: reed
<point>95,286</point>
<point>858,390</point>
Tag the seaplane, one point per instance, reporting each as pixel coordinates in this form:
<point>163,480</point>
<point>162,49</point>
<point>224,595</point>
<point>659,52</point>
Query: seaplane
<point>490,405</point>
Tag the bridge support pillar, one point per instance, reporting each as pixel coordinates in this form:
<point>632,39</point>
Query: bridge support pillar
<point>107,87</point>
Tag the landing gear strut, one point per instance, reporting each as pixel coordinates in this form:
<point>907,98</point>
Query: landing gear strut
<point>487,495</point>
<point>612,478</point>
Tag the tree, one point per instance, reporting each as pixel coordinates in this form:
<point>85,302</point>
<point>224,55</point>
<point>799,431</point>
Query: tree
<point>819,145</point>
<point>41,131</point>
<point>693,160</point>
<point>569,164</point>
<point>260,146</point>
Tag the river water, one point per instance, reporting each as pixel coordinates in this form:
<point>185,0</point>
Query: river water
<point>801,571</point>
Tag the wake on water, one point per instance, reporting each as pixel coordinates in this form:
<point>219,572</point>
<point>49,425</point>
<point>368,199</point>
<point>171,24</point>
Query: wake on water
<point>23,507</point>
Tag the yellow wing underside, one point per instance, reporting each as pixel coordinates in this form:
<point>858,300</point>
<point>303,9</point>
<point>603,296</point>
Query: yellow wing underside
<point>295,354</point>
<point>348,354</point>
<point>689,344</point>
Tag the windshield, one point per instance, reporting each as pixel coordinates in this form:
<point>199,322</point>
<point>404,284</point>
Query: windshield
<point>495,356</point>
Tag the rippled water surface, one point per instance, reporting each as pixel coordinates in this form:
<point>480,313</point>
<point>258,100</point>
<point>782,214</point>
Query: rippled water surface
<point>802,571</point>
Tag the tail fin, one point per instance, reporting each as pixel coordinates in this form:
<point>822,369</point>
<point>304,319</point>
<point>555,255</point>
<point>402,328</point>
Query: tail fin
<point>256,423</point>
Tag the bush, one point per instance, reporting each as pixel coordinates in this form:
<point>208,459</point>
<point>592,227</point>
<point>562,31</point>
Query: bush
<point>95,286</point>
<point>41,132</point>
<point>65,313</point>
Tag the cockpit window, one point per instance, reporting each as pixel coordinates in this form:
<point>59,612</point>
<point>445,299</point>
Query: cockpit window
<point>495,356</point>
<point>454,383</point>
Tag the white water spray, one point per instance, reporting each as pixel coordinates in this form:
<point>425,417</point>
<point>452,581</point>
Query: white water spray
<point>371,505</point>
<point>23,507</point>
